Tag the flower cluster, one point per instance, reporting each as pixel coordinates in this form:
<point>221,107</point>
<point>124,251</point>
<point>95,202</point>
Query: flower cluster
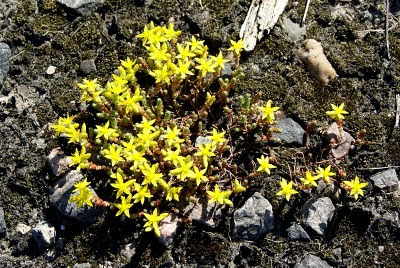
<point>310,178</point>
<point>157,142</point>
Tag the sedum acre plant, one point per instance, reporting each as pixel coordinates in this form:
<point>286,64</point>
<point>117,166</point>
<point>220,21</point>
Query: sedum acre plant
<point>167,128</point>
<point>163,128</point>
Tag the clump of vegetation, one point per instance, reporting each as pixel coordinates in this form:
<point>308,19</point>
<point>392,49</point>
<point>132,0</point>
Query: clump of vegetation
<point>167,127</point>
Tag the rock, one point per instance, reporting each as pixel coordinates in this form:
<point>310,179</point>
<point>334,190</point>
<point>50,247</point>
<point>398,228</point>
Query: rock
<point>88,66</point>
<point>58,162</point>
<point>292,132</point>
<point>168,227</point>
<point>343,144</point>
<point>128,251</point>
<point>312,261</point>
<point>201,140</point>
<point>317,213</point>
<point>44,234</point>
<point>3,226</point>
<point>62,192</point>
<point>312,55</point>
<point>51,254</point>
<point>296,233</point>
<point>386,180</point>
<point>293,30</point>
<point>81,6</point>
<point>51,70</point>
<point>23,228</point>
<point>202,212</point>
<point>82,265</point>
<point>253,219</point>
<point>5,54</point>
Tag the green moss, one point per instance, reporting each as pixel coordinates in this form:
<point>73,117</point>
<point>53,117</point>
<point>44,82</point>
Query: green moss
<point>24,11</point>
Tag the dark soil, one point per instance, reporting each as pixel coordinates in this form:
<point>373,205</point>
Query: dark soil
<point>42,33</point>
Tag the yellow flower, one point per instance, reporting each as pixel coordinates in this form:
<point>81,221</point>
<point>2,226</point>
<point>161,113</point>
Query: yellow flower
<point>183,69</point>
<point>120,185</point>
<point>172,137</point>
<point>265,166</point>
<point>325,174</point>
<point>84,195</point>
<point>113,154</point>
<point>219,61</point>
<point>198,175</point>
<point>159,55</point>
<point>204,66</point>
<point>206,151</point>
<point>80,158</point>
<point>184,53</point>
<point>268,112</point>
<point>162,75</point>
<point>153,220</point>
<point>237,47</point>
<point>142,193</point>
<point>170,33</point>
<point>146,140</point>
<point>150,174</point>
<point>238,188</point>
<point>136,157</point>
<point>337,113</point>
<point>146,126</point>
<point>220,197</point>
<point>124,206</point>
<point>106,132</point>
<point>173,193</point>
<point>287,190</point>
<point>217,138</point>
<point>196,45</point>
<point>356,187</point>
<point>184,169</point>
<point>309,180</point>
<point>172,156</point>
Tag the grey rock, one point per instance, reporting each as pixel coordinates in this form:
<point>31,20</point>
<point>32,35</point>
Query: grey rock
<point>312,261</point>
<point>343,144</point>
<point>3,226</point>
<point>201,140</point>
<point>168,228</point>
<point>62,192</point>
<point>128,251</point>
<point>81,6</point>
<point>23,228</point>
<point>5,54</point>
<point>82,265</point>
<point>296,233</point>
<point>293,30</point>
<point>44,234</point>
<point>202,212</point>
<point>292,133</point>
<point>386,180</point>
<point>58,162</point>
<point>88,66</point>
<point>317,213</point>
<point>253,219</point>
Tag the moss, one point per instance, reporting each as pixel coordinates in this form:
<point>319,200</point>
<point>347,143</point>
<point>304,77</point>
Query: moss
<point>24,11</point>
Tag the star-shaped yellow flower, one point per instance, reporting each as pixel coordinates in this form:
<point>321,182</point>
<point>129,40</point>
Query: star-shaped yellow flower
<point>265,166</point>
<point>356,187</point>
<point>287,190</point>
<point>337,113</point>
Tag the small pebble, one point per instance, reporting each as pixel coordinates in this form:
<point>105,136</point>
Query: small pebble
<point>51,70</point>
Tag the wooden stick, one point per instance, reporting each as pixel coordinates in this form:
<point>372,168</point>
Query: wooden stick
<point>397,122</point>
<point>375,168</point>
<point>305,13</point>
<point>387,30</point>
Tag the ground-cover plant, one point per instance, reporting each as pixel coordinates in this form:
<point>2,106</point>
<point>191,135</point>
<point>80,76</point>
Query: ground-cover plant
<point>167,127</point>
